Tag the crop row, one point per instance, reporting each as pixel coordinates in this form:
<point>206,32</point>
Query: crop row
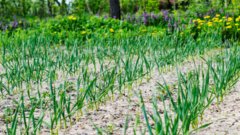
<point>184,108</point>
<point>50,82</point>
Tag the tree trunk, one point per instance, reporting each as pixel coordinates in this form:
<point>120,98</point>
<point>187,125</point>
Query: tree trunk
<point>58,3</point>
<point>115,10</point>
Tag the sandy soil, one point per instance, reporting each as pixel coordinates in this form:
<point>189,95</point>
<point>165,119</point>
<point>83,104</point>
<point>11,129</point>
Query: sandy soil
<point>111,116</point>
<point>225,117</point>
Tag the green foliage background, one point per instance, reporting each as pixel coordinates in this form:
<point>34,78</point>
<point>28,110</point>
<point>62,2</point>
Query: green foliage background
<point>46,8</point>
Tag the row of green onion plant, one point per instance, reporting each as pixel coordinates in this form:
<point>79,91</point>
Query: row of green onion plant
<point>195,92</point>
<point>99,68</point>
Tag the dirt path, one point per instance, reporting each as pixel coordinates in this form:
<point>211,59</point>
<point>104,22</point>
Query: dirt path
<point>225,118</point>
<point>111,116</point>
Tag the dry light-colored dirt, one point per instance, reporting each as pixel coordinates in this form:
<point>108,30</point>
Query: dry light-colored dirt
<point>111,115</point>
<point>225,117</point>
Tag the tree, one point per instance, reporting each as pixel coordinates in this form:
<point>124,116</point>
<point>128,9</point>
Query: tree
<point>115,10</point>
<point>58,3</point>
<point>50,8</point>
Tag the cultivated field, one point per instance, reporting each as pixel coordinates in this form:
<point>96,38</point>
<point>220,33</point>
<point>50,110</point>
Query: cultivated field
<point>95,75</point>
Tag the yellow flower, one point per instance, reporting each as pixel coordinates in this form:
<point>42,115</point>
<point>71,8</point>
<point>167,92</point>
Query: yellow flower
<point>199,27</point>
<point>111,30</point>
<point>217,15</point>
<point>206,17</point>
<point>83,32</point>
<point>194,21</point>
<point>236,24</point>
<point>215,19</point>
<point>229,19</point>
<point>210,24</point>
<point>229,27</point>
<point>238,29</point>
<point>71,17</point>
<point>200,21</point>
<point>228,23</point>
<point>238,19</point>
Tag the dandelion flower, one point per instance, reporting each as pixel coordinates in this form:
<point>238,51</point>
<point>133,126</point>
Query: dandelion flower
<point>200,21</point>
<point>206,17</point>
<point>228,23</point>
<point>71,17</point>
<point>111,30</point>
<point>217,15</point>
<point>215,19</point>
<point>229,27</point>
<point>230,19</point>
<point>238,19</point>
<point>210,24</point>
